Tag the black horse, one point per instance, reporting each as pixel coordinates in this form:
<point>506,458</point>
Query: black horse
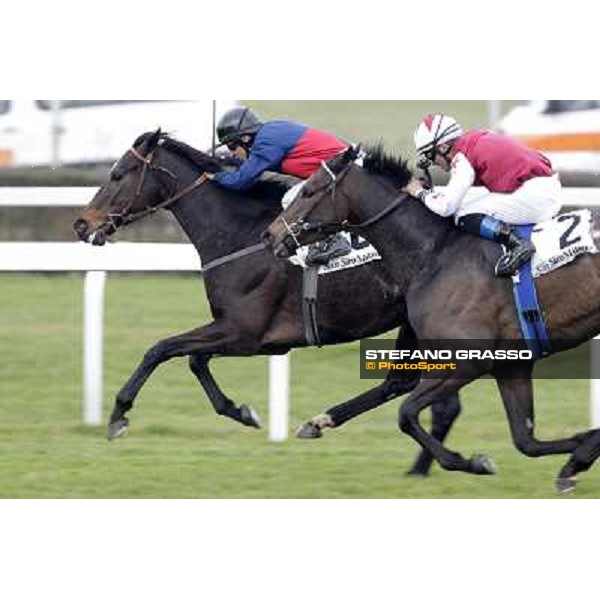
<point>451,294</point>
<point>255,299</point>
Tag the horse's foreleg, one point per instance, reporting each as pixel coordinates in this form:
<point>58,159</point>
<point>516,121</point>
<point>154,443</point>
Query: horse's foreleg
<point>396,384</point>
<point>209,339</point>
<point>221,403</point>
<point>336,416</point>
<point>443,415</point>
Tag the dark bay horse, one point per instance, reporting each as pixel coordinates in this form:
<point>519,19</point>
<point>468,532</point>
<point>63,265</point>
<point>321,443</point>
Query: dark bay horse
<point>451,294</point>
<point>255,299</point>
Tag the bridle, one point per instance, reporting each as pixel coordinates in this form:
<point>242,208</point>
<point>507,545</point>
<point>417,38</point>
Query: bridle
<point>303,225</point>
<point>126,216</point>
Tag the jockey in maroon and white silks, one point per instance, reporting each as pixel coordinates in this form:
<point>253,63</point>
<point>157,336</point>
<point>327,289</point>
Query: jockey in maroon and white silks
<point>516,184</point>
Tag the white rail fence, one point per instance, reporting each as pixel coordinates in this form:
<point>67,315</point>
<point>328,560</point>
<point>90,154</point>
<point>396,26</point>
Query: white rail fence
<point>122,256</point>
<point>96,262</point>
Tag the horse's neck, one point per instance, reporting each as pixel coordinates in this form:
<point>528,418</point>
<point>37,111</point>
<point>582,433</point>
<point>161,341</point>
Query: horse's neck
<point>213,229</point>
<point>410,237</point>
<point>216,223</point>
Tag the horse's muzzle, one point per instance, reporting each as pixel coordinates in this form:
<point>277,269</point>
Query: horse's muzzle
<point>284,248</point>
<point>96,238</point>
<point>267,238</point>
<point>81,227</point>
<point>287,247</point>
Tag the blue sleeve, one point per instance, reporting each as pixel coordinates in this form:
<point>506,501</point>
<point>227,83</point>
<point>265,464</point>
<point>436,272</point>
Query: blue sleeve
<point>264,156</point>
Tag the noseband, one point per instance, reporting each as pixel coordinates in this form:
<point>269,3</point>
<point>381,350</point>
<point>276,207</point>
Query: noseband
<point>126,216</point>
<point>302,225</point>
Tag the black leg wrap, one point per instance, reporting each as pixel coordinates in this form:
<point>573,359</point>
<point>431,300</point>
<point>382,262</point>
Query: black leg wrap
<point>471,224</point>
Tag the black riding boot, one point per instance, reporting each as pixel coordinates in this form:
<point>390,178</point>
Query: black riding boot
<point>320,253</point>
<point>518,250</point>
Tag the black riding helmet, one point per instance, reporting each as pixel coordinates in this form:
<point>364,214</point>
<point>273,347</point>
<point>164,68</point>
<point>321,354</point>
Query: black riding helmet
<point>237,122</point>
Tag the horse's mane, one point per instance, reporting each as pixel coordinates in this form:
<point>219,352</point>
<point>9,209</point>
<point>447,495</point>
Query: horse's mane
<point>195,157</point>
<point>269,191</point>
<point>379,162</point>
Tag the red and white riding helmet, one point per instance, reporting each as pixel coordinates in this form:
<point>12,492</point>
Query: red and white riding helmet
<point>433,130</point>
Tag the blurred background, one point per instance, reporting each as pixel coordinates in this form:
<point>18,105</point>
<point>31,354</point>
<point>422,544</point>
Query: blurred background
<point>74,142</point>
<point>178,447</point>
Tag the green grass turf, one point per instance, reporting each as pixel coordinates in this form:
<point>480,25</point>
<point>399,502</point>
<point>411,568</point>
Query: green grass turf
<point>178,448</point>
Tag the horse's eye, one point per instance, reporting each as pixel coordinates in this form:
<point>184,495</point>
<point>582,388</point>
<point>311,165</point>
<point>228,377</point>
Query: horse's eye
<point>116,176</point>
<point>307,191</point>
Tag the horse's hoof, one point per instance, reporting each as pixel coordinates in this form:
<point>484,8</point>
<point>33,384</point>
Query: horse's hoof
<point>417,473</point>
<point>118,428</point>
<point>482,465</point>
<point>566,485</point>
<point>309,431</point>
<point>249,417</point>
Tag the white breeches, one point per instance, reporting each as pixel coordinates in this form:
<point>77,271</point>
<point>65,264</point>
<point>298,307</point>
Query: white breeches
<point>536,200</point>
<point>291,194</point>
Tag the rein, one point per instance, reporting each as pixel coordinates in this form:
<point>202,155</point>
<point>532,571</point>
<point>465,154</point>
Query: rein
<point>391,207</point>
<point>124,218</point>
<point>302,226</point>
<point>127,217</point>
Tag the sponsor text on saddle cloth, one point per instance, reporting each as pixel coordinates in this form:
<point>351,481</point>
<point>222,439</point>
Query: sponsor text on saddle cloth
<point>558,241</point>
<point>361,254</point>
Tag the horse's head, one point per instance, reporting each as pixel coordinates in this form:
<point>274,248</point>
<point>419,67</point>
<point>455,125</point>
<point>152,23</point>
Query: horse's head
<point>136,186</point>
<point>318,210</point>
<point>334,198</point>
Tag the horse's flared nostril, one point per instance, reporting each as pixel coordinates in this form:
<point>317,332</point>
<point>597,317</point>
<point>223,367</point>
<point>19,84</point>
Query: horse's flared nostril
<point>266,237</point>
<point>80,226</point>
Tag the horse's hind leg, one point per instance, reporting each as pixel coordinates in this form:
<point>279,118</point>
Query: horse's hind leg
<point>517,396</point>
<point>221,403</point>
<point>584,456</point>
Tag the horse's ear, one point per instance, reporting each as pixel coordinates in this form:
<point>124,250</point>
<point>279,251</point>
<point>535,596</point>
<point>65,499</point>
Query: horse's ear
<point>352,153</point>
<point>153,140</point>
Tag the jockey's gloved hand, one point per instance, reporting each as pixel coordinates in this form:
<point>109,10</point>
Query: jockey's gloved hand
<point>414,187</point>
<point>425,182</point>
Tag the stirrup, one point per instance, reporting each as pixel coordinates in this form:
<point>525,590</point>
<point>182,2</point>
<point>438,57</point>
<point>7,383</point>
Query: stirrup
<point>509,263</point>
<point>320,253</point>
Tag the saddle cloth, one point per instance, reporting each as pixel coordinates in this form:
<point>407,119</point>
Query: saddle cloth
<point>561,240</point>
<point>558,242</point>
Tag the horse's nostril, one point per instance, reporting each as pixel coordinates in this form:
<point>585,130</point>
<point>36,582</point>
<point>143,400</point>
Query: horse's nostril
<point>266,237</point>
<point>80,226</point>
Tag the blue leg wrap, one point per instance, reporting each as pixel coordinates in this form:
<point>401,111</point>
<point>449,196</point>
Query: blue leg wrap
<point>490,228</point>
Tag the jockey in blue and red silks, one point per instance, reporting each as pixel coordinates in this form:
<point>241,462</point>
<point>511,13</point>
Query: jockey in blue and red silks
<point>519,186</point>
<point>284,147</point>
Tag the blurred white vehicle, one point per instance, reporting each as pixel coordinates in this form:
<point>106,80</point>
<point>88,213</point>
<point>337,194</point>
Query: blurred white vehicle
<point>97,131</point>
<point>567,131</point>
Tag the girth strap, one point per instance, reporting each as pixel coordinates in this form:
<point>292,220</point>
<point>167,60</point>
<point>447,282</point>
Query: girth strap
<point>310,284</point>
